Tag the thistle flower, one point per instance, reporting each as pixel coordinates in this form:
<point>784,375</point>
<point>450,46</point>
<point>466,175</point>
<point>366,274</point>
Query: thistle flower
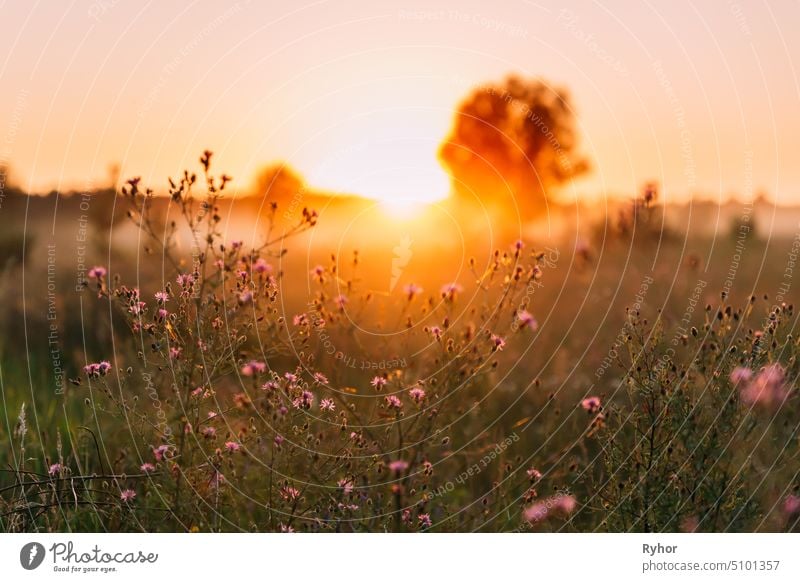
<point>398,466</point>
<point>253,367</point>
<point>499,343</point>
<point>128,495</point>
<point>378,382</point>
<point>412,290</point>
<point>393,402</point>
<point>55,469</point>
<point>525,319</point>
<point>417,394</point>
<point>147,467</point>
<point>592,404</point>
<point>97,272</point>
<point>767,389</point>
<point>327,404</point>
<point>424,520</point>
<point>161,297</point>
<point>232,447</point>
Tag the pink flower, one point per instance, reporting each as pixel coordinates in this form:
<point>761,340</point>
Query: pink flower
<point>318,273</point>
<point>97,272</point>
<point>209,432</point>
<point>499,343</point>
<point>393,402</point>
<point>55,469</point>
<point>262,266</point>
<point>175,353</point>
<point>304,401</point>
<point>768,389</point>
<point>412,290</point>
<point>232,447</point>
<point>741,374</point>
<point>147,467</point>
<point>320,378</point>
<point>417,394</point>
<point>160,452</point>
<point>253,367</point>
<point>162,314</point>
<point>398,466</point>
<point>128,495</point>
<point>327,404</point>
<point>525,319</point>
<point>346,485</point>
<point>278,440</point>
<point>436,332</point>
<point>161,297</point>
<point>378,382</point>
<point>300,319</point>
<point>450,291</point>
<point>591,404</point>
<point>534,474</point>
<point>269,386</point>
<point>424,520</point>
<point>289,493</point>
<point>558,504</point>
<point>95,370</point>
<point>340,301</point>
<point>185,280</point>
<point>245,297</point>
<point>791,505</point>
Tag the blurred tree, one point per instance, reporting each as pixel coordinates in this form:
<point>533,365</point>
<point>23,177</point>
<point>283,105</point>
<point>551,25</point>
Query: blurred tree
<point>511,143</point>
<point>278,183</point>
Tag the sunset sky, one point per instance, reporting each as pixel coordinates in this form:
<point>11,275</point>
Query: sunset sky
<point>357,96</point>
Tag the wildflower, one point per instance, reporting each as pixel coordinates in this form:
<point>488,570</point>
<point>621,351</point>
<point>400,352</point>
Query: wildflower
<point>185,280</point>
<point>534,474</point>
<point>262,266</point>
<point>97,272</point>
<point>398,466</point>
<point>300,319</point>
<point>525,319</point>
<point>340,301</point>
<point>55,469</point>
<point>161,297</point>
<point>137,308</point>
<point>518,245</point>
<point>690,524</point>
<point>209,432</point>
<point>791,505</point>
<point>197,392</point>
<point>245,297</point>
<point>394,402</point>
<point>289,493</point>
<point>327,404</point>
<point>162,314</point>
<point>378,382</point>
<point>320,378</point>
<point>95,370</point>
<point>278,440</point>
<point>499,343</point>
<point>286,528</point>
<point>417,394</point>
<point>768,388</point>
<point>236,244</point>
<point>128,495</point>
<point>269,386</point>
<point>424,520</point>
<point>147,467</point>
<point>741,374</point>
<point>450,291</point>
<point>160,452</point>
<point>232,447</point>
<point>253,367</point>
<point>436,332</point>
<point>290,377</point>
<point>591,404</point>
<point>558,504</point>
<point>303,401</point>
<point>412,290</point>
<point>346,485</point>
<point>319,273</point>
<point>175,353</point>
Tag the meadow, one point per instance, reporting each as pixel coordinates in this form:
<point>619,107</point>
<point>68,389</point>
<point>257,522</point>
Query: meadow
<point>192,362</point>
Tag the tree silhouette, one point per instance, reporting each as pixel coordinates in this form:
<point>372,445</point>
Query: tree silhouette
<point>512,143</point>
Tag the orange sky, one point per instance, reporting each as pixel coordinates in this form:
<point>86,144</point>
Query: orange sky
<point>702,97</point>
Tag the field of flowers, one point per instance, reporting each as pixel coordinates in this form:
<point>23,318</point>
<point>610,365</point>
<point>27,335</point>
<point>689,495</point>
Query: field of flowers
<point>219,402</point>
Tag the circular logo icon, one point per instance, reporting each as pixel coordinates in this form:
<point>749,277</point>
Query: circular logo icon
<point>31,555</point>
